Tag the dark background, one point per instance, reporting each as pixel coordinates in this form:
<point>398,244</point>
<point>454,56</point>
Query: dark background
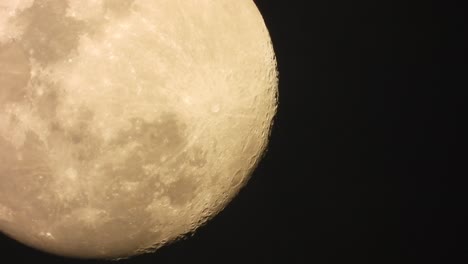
<point>366,157</point>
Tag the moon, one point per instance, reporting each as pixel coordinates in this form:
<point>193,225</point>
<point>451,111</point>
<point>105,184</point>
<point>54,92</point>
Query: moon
<point>127,124</point>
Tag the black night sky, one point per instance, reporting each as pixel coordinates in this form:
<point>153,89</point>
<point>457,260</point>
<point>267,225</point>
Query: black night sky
<point>365,160</point>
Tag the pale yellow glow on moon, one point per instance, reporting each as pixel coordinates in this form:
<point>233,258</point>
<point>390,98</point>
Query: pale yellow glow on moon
<point>125,124</point>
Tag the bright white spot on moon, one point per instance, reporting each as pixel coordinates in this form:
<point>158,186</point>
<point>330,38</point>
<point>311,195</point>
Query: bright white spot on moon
<point>126,124</point>
<point>71,174</point>
<point>215,108</point>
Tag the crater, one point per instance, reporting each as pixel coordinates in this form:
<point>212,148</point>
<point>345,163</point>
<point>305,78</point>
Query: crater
<point>5,214</point>
<point>153,150</point>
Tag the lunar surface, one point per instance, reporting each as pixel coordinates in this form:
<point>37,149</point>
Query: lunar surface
<point>126,124</point>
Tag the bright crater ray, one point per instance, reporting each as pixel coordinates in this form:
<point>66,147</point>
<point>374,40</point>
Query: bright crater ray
<point>125,124</point>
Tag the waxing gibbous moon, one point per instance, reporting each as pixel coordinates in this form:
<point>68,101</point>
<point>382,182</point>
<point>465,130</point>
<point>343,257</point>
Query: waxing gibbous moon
<point>125,124</point>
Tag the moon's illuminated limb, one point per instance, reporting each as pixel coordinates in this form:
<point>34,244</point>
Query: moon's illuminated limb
<point>125,124</point>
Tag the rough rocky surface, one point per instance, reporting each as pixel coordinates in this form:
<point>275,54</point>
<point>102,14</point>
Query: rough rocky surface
<point>125,124</point>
